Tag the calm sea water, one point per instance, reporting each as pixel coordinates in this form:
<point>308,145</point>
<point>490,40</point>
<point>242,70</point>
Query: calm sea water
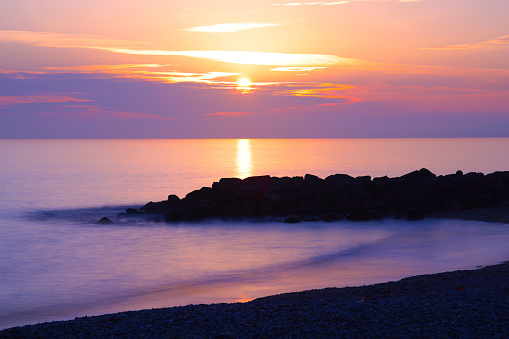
<point>56,263</point>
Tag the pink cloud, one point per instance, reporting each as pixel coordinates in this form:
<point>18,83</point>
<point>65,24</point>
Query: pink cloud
<point>93,111</point>
<point>306,89</point>
<point>305,109</point>
<point>325,107</point>
<point>436,98</point>
<point>35,99</point>
<point>504,40</point>
<point>333,3</point>
<point>147,72</point>
<point>62,40</point>
<point>229,114</point>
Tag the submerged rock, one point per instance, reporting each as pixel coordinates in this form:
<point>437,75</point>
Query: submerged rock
<point>134,211</point>
<point>292,219</point>
<point>331,217</point>
<point>105,220</point>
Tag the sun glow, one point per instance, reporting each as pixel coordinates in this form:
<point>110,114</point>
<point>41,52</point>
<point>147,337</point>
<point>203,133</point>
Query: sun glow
<point>244,82</point>
<point>244,85</point>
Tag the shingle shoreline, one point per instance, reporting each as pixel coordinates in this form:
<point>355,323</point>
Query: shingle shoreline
<point>465,304</point>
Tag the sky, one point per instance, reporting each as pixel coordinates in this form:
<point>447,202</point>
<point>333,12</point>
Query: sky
<point>254,69</point>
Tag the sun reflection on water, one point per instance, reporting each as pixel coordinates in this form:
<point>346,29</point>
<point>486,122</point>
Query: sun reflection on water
<point>244,163</point>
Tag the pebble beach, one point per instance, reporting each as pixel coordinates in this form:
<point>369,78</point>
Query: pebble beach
<point>460,304</point>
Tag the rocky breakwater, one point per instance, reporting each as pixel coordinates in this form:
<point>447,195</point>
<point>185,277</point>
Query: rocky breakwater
<point>293,199</point>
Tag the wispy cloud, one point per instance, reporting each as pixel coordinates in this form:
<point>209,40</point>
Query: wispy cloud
<point>392,68</point>
<point>297,69</point>
<point>227,82</point>
<point>231,114</point>
<point>34,101</point>
<point>148,72</point>
<point>318,108</point>
<point>312,89</point>
<point>93,111</point>
<point>127,47</point>
<point>313,3</point>
<point>504,40</point>
<point>246,58</point>
<point>289,89</point>
<point>436,98</point>
<point>305,109</point>
<point>335,92</point>
<point>37,99</point>
<point>332,3</point>
<point>230,28</point>
<point>63,40</point>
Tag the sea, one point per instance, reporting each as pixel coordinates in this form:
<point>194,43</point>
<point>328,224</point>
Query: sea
<point>57,263</point>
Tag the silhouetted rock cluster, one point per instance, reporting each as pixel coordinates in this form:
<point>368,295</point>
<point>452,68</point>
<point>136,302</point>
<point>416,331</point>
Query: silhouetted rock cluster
<point>335,197</point>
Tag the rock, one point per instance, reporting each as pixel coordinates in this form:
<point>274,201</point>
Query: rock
<point>273,198</point>
<point>105,221</point>
<point>358,215</point>
<point>364,179</point>
<point>172,198</point>
<point>419,175</point>
<point>340,178</point>
<point>331,217</point>
<point>360,198</point>
<point>230,181</point>
<point>173,216</point>
<point>134,211</point>
<point>160,207</point>
<point>202,193</point>
<point>414,214</point>
<point>358,192</point>
<point>266,209</point>
<point>311,208</point>
<point>348,204</point>
<point>503,203</point>
<point>292,219</point>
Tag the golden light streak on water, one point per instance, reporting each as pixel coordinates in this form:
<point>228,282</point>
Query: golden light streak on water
<point>244,162</point>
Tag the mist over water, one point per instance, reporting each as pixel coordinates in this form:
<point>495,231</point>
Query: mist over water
<point>56,263</point>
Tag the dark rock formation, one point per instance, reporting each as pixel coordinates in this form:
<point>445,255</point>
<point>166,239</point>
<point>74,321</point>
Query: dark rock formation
<point>312,198</point>
<point>292,219</point>
<point>105,221</point>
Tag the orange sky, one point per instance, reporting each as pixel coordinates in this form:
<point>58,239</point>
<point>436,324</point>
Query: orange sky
<point>238,69</point>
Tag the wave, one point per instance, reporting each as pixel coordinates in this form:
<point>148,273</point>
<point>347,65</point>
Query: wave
<point>409,251</point>
<point>76,215</point>
<point>176,293</point>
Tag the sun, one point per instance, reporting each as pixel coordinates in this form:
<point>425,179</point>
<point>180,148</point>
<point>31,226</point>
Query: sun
<point>244,83</point>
